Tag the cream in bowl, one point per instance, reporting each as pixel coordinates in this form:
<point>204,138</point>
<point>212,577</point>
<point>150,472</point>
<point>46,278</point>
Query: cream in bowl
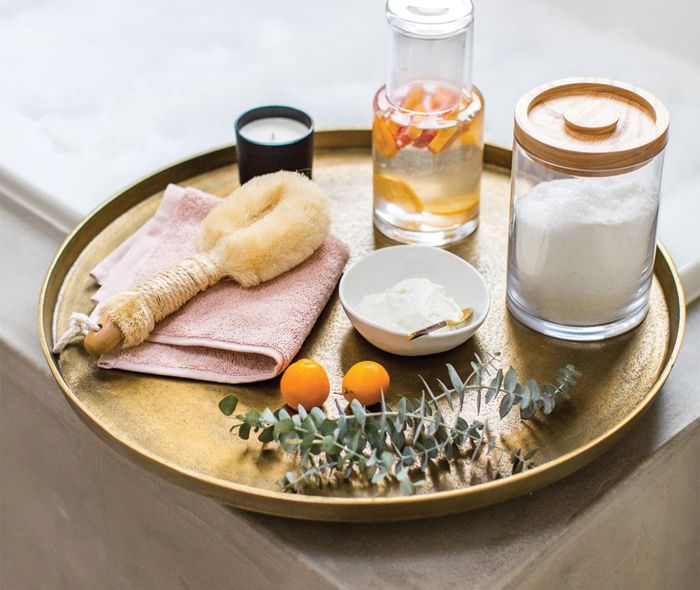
<point>398,290</point>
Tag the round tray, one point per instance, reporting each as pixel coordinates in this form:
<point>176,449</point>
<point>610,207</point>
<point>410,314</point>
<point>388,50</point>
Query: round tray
<point>174,428</point>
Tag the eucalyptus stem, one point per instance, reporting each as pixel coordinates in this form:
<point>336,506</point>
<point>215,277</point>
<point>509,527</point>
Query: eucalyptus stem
<point>392,443</point>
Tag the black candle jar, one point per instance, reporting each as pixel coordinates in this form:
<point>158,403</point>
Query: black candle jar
<point>274,138</point>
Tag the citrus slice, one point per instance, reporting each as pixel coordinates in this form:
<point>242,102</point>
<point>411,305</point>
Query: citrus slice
<point>398,193</point>
<point>471,135</point>
<point>443,140</point>
<point>406,136</point>
<point>414,99</point>
<point>383,139</point>
<point>454,205</point>
<point>443,99</point>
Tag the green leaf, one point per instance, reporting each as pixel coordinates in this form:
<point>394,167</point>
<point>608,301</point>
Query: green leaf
<point>318,415</point>
<point>461,428</point>
<point>447,394</point>
<point>421,416</point>
<point>228,404</point>
<point>378,476</point>
<point>510,380</point>
<point>244,431</point>
<point>431,447</point>
<point>457,384</point>
<point>309,425</point>
<point>530,454</point>
<point>252,417</point>
<point>408,456</point>
<point>407,487</point>
<point>477,446</point>
<point>548,404</point>
<point>494,387</point>
<point>534,390</point>
<point>284,425</point>
<point>268,417</point>
<point>402,409</point>
<point>266,434</point>
<point>506,404</point>
<point>354,443</point>
<point>328,444</point>
<point>528,412</point>
<point>358,411</point>
<point>387,459</point>
<point>526,394</point>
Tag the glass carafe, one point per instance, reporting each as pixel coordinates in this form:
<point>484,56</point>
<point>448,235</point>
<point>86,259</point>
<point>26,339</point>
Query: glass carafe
<point>427,134</point>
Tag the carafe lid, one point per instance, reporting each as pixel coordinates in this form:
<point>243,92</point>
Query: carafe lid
<point>429,19</point>
<point>591,124</point>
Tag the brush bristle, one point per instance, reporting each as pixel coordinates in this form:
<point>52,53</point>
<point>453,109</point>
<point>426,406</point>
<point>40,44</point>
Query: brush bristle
<point>266,227</point>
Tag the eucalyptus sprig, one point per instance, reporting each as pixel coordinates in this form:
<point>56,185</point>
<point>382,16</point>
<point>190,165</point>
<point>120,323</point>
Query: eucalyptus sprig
<point>390,442</point>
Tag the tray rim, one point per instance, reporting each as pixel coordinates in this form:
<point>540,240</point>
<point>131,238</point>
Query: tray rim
<point>323,508</point>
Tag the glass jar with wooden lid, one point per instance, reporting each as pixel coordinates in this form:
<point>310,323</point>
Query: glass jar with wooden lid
<point>587,162</point>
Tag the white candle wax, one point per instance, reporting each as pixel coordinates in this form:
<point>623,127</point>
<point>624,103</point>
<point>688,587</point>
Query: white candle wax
<point>274,130</point>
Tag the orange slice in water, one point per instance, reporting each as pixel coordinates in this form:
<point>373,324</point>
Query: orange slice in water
<point>454,205</point>
<point>471,136</point>
<point>414,99</point>
<point>398,193</point>
<point>383,139</point>
<point>443,140</point>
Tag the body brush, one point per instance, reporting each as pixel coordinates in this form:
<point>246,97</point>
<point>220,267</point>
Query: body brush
<point>263,229</point>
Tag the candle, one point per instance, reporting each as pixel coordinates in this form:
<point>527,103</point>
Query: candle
<point>273,138</point>
<point>274,130</point>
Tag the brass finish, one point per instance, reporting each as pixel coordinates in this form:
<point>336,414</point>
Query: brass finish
<point>591,124</point>
<point>174,428</point>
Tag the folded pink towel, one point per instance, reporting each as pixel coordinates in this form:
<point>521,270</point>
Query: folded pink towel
<point>226,334</point>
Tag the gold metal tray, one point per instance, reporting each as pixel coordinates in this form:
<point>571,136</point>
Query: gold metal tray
<point>174,428</point>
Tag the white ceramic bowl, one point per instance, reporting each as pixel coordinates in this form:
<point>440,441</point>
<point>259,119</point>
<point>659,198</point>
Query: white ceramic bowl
<point>385,267</point>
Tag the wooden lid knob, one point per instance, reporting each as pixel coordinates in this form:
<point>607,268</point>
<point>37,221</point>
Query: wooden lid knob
<point>107,339</point>
<point>598,122</point>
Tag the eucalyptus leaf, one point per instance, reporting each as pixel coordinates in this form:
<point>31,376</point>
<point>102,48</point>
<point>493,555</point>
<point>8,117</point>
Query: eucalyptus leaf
<point>228,404</point>
<point>457,384</point>
<point>266,435</point>
<point>268,417</point>
<point>506,404</point>
<point>510,380</point>
<point>359,412</point>
<point>446,393</point>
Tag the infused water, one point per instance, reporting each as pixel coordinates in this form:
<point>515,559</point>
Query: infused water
<point>427,156</point>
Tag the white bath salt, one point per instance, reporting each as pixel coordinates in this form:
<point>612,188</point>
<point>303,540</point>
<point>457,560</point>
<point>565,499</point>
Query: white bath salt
<point>583,248</point>
<point>410,305</point>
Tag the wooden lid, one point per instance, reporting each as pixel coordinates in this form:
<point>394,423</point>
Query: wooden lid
<point>591,124</point>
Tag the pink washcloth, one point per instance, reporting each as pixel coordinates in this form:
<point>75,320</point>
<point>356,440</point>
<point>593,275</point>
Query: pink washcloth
<point>226,334</point>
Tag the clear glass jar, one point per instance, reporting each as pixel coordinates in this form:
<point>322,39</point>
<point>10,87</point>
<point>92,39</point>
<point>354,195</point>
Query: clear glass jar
<point>582,238</point>
<point>427,134</point>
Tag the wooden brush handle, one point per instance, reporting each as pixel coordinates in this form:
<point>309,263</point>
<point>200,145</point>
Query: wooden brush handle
<point>126,319</point>
<point>107,339</point>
